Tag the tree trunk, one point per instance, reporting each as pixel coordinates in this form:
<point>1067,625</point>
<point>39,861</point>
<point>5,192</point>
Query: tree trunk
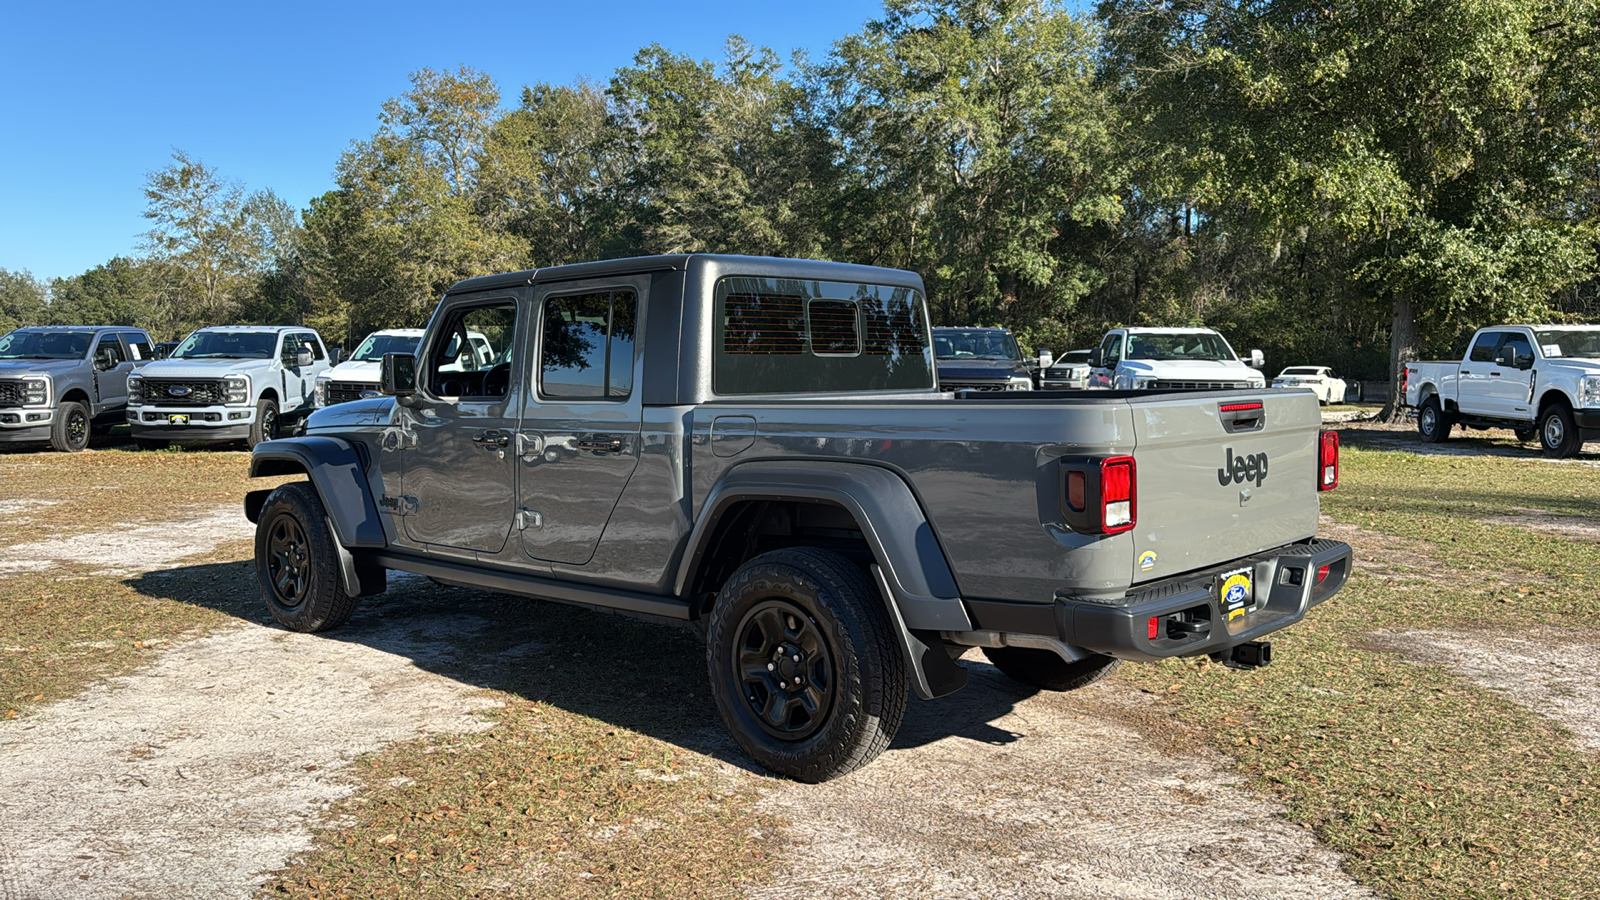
<point>1403,340</point>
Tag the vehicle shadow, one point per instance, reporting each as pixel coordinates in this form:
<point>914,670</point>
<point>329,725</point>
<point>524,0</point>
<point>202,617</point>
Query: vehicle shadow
<point>645,677</point>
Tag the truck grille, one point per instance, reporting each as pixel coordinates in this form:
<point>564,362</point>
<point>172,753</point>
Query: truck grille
<point>972,385</point>
<point>10,393</point>
<point>1199,385</point>
<point>175,392</point>
<point>345,391</point>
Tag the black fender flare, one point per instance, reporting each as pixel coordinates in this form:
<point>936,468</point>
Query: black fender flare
<point>337,473</point>
<point>910,567</point>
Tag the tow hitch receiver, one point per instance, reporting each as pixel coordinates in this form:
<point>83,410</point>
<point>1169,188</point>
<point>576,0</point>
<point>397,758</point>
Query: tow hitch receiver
<point>1251,655</point>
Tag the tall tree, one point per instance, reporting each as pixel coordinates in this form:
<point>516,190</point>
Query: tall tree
<point>121,291</point>
<point>22,300</point>
<point>1425,135</point>
<point>977,145</point>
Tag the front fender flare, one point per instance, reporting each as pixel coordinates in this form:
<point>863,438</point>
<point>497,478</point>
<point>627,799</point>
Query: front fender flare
<point>335,469</point>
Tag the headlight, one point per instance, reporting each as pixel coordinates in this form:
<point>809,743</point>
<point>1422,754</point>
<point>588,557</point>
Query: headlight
<point>319,395</point>
<point>237,390</point>
<point>1020,383</point>
<point>36,391</point>
<point>1591,390</point>
<point>1258,382</point>
<point>135,390</point>
<point>1140,384</point>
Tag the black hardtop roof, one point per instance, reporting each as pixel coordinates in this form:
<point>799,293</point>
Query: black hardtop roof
<point>716,263</point>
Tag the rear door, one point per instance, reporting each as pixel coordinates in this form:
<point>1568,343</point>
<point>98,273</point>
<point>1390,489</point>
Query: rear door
<point>111,370</point>
<point>1473,390</point>
<point>1221,476</point>
<point>579,441</point>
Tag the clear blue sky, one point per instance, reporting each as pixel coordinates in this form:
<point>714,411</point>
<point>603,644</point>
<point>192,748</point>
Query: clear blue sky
<point>96,95</point>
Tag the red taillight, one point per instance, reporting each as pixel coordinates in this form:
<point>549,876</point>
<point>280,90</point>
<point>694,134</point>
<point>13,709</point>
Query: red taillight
<point>1155,627</point>
<point>1328,461</point>
<point>1118,495</point>
<point>1322,574</point>
<point>1240,407</point>
<point>1077,491</point>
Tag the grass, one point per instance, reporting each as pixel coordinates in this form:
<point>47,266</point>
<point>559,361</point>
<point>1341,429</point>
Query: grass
<point>1431,785</point>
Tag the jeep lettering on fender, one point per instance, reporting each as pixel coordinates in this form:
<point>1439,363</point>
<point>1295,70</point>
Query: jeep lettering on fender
<point>1241,469</point>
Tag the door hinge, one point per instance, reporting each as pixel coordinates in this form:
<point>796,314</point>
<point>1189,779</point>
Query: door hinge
<point>529,519</point>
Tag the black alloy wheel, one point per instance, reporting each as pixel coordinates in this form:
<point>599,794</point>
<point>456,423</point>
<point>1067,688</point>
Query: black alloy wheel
<point>288,561</point>
<point>786,668</point>
<point>70,432</point>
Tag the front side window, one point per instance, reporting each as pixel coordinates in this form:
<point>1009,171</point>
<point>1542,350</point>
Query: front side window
<point>1111,351</point>
<point>586,352</point>
<point>1483,348</point>
<point>1515,344</point>
<point>110,346</point>
<point>46,344</point>
<point>310,342</point>
<point>786,336</point>
<point>472,358</point>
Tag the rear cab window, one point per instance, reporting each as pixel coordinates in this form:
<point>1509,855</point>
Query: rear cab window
<point>787,336</point>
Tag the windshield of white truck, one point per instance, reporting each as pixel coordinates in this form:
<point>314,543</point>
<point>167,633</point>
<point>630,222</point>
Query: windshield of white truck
<point>45,344</point>
<point>376,345</point>
<point>1580,343</point>
<point>1198,346</point>
<point>976,344</point>
<point>227,345</point>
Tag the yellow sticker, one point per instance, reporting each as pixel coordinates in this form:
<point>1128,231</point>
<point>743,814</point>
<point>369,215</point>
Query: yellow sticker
<point>1147,560</point>
<point>1235,593</point>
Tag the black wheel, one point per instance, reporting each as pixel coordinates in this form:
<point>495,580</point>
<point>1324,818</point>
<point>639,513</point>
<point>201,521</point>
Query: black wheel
<point>1044,669</point>
<point>1432,423</point>
<point>1558,436</point>
<point>804,667</point>
<point>265,427</point>
<point>297,561</point>
<point>151,443</point>
<point>69,433</point>
<point>1527,434</point>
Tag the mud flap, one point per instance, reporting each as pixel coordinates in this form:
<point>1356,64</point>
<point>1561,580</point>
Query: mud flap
<point>933,672</point>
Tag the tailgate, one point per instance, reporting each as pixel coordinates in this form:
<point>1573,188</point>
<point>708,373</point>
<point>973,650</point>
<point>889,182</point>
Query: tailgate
<point>1219,480</point>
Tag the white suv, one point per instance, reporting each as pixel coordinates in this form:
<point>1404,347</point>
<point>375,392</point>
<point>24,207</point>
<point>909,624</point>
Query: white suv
<point>229,383</point>
<point>1171,359</point>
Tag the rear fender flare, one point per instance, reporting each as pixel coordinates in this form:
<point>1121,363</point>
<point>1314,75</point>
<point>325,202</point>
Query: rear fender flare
<point>910,567</point>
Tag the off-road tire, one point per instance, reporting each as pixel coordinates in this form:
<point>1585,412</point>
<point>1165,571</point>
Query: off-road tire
<point>265,426</point>
<point>1558,435</point>
<point>1044,669</point>
<point>297,561</point>
<point>151,443</point>
<point>820,597</point>
<point>1432,423</point>
<point>69,432</point>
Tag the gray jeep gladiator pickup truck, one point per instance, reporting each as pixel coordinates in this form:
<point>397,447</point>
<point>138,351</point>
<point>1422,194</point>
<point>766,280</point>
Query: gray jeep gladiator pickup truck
<point>758,447</point>
<point>59,382</point>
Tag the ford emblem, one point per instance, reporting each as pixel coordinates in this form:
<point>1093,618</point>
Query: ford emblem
<point>368,395</point>
<point>180,391</point>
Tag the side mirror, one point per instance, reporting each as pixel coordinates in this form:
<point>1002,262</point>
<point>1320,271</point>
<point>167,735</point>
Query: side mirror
<point>1094,360</point>
<point>1046,358</point>
<point>1257,360</point>
<point>397,375</point>
<point>302,357</point>
<point>1522,362</point>
<point>334,353</point>
<point>105,360</point>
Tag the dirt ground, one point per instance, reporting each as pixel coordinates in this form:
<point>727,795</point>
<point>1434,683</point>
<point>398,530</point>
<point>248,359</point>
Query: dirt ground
<point>214,764</point>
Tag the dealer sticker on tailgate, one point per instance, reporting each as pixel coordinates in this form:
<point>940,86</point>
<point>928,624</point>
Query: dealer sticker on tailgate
<point>1236,596</point>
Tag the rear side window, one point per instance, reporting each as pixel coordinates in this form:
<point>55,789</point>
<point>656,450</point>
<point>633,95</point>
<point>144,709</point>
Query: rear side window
<point>782,336</point>
<point>587,351</point>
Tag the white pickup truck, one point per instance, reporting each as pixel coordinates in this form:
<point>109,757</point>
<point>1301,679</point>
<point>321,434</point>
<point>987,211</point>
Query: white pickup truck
<point>1171,359</point>
<point>1541,380</point>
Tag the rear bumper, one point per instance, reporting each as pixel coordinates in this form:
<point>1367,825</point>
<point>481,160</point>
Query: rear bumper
<point>1188,609</point>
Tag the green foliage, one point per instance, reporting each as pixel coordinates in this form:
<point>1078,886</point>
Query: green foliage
<point>22,300</point>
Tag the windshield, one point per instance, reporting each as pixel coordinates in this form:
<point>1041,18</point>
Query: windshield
<point>227,345</point>
<point>1301,371</point>
<point>1582,343</point>
<point>1195,345</point>
<point>376,346</point>
<point>980,344</point>
<point>45,344</point>
<point>1073,358</point>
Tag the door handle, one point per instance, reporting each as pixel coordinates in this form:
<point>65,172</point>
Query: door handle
<point>601,444</point>
<point>493,439</point>
<point>1494,374</point>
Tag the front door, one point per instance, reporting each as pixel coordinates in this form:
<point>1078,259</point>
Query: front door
<point>1508,386</point>
<point>580,433</point>
<point>458,477</point>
